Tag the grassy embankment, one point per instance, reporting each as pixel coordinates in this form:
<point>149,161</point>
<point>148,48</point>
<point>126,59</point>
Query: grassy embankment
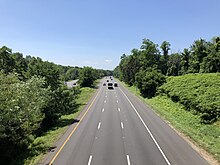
<point>42,144</point>
<point>194,96</point>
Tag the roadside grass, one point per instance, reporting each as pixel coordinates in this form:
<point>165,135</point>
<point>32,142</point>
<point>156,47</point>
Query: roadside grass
<point>41,145</point>
<point>206,136</point>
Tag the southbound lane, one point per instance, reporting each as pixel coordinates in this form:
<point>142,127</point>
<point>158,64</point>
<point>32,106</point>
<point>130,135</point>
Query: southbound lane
<point>120,130</point>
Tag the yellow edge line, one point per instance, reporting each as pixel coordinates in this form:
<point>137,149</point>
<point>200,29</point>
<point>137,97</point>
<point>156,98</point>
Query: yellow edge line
<point>58,152</point>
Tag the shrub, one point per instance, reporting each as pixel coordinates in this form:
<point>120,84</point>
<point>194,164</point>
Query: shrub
<point>197,92</point>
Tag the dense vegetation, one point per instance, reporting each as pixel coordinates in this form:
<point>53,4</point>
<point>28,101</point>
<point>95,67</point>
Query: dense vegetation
<point>199,93</point>
<point>148,68</point>
<point>201,57</point>
<point>33,97</point>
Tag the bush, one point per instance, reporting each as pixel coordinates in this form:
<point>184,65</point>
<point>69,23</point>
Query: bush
<point>197,92</point>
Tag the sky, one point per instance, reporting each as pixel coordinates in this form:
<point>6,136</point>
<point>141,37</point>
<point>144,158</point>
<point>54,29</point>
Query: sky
<point>97,33</point>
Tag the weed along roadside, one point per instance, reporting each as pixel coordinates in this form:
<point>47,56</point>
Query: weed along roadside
<point>203,137</point>
<point>47,142</point>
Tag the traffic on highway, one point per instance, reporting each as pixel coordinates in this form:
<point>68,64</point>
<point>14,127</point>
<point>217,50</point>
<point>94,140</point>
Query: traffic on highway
<point>117,128</point>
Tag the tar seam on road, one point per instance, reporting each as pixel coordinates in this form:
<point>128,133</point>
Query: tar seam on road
<point>58,152</point>
<point>148,130</point>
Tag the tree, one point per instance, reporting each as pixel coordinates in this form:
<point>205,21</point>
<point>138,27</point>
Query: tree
<point>149,54</point>
<point>184,64</point>
<point>6,61</point>
<point>87,77</point>
<point>45,69</point>
<point>72,74</point>
<point>211,63</point>
<point>199,50</point>
<point>20,64</point>
<point>165,46</point>
<point>129,66</point>
<point>148,81</point>
<point>173,64</point>
<point>20,113</point>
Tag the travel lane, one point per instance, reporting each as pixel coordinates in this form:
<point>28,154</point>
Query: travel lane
<point>175,149</point>
<point>78,148</point>
<point>139,145</point>
<point>108,149</point>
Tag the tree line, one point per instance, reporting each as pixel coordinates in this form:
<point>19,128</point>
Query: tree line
<point>148,66</point>
<point>33,97</point>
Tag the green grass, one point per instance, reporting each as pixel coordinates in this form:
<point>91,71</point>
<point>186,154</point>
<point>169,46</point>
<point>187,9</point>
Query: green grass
<point>207,136</point>
<point>43,143</point>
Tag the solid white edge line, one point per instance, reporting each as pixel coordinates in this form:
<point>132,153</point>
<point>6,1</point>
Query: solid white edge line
<point>105,101</point>
<point>103,110</point>
<point>148,130</point>
<point>99,125</point>
<point>119,109</point>
<point>90,160</point>
<point>122,126</point>
<point>117,101</point>
<point>128,160</point>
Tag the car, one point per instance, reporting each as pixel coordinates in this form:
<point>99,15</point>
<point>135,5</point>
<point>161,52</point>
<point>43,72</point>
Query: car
<point>110,85</point>
<point>107,80</point>
<point>115,84</point>
<point>104,84</point>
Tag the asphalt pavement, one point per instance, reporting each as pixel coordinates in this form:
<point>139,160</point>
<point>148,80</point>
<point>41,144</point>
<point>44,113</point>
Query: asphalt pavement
<point>119,129</point>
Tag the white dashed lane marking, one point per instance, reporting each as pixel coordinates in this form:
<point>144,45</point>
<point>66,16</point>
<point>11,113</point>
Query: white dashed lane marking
<point>99,125</point>
<point>122,125</point>
<point>90,160</point>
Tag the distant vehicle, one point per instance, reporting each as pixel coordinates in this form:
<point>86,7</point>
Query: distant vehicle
<point>115,84</point>
<point>107,80</point>
<point>104,84</point>
<point>110,86</point>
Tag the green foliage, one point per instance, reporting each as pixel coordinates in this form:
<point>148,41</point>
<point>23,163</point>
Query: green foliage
<point>197,92</point>
<point>129,66</point>
<point>87,77</point>
<point>6,61</point>
<point>148,82</point>
<point>44,69</point>
<point>173,64</point>
<point>61,101</point>
<point>21,105</point>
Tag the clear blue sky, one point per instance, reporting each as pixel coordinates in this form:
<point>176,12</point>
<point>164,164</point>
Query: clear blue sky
<point>97,32</point>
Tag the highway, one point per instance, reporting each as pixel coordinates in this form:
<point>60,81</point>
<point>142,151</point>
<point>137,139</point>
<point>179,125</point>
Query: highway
<point>119,129</point>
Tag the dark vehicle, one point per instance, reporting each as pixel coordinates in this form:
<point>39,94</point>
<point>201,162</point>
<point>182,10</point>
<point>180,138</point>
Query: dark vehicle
<point>110,85</point>
<point>104,84</point>
<point>107,80</point>
<point>115,84</point>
